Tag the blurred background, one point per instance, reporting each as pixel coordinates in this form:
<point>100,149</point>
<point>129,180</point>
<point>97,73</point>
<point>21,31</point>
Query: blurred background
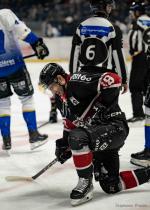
<point>56,21</point>
<point>52,18</point>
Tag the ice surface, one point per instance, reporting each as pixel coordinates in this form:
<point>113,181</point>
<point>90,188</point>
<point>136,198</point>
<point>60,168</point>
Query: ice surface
<point>51,190</point>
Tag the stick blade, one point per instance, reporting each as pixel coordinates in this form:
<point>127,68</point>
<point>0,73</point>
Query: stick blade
<point>18,178</point>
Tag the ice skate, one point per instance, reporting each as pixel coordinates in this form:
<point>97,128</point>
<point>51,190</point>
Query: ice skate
<point>136,119</point>
<point>83,192</point>
<point>36,139</point>
<point>141,158</point>
<point>6,143</point>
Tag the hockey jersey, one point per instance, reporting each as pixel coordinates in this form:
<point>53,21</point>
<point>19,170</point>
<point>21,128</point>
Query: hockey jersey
<point>144,23</point>
<point>90,96</point>
<point>11,29</point>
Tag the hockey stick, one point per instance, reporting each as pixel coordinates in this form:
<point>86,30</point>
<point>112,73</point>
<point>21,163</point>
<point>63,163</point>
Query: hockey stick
<point>45,123</point>
<point>28,178</point>
<point>29,56</point>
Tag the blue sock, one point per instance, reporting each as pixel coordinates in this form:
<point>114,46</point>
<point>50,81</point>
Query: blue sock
<point>5,126</point>
<point>147,137</point>
<point>30,118</point>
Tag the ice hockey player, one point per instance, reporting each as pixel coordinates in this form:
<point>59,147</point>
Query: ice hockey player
<point>14,74</point>
<point>139,67</point>
<point>97,43</point>
<point>143,158</point>
<point>94,128</point>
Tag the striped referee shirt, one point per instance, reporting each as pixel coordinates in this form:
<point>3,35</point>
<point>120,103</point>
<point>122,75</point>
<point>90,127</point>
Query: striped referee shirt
<point>136,44</point>
<point>97,42</point>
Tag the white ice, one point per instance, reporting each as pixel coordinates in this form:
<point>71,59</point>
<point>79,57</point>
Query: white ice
<point>51,190</point>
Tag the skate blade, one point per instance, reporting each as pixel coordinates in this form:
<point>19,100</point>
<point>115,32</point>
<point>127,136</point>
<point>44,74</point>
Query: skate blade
<point>142,163</point>
<point>77,202</point>
<point>37,144</point>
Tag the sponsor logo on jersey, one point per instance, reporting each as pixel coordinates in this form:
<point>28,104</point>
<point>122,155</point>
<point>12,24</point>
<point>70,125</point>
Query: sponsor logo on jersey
<point>5,63</point>
<point>81,77</point>
<point>96,30</point>
<point>74,101</point>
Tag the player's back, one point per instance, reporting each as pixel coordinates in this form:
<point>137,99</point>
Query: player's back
<point>95,34</point>
<point>96,26</point>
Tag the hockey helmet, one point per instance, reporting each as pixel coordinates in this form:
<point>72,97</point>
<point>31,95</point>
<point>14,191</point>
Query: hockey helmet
<point>147,8</point>
<point>100,5</point>
<point>137,6</point>
<point>49,73</point>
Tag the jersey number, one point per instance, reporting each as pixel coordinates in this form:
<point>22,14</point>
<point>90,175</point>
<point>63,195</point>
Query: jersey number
<point>93,51</point>
<point>90,52</point>
<point>2,49</point>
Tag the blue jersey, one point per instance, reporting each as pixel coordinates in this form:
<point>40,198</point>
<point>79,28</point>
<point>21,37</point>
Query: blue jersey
<point>11,30</point>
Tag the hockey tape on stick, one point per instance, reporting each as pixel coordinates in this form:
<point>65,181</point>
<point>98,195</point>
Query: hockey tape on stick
<point>28,178</point>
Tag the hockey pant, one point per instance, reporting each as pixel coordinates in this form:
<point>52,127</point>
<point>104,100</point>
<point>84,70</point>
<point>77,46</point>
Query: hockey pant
<point>84,142</point>
<point>21,83</point>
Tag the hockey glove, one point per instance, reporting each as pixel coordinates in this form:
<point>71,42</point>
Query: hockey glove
<point>62,151</point>
<point>40,49</point>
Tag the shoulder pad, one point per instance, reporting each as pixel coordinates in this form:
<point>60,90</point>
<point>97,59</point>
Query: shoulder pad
<point>143,22</point>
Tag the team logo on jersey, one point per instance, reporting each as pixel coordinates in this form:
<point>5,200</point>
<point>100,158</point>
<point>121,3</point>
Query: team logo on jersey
<point>74,101</point>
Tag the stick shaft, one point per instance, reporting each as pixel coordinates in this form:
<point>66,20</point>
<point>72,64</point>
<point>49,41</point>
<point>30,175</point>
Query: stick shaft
<point>45,169</point>
<point>29,178</point>
<point>29,56</point>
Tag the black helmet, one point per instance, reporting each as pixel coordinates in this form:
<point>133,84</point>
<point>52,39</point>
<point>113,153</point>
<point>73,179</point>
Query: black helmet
<point>100,5</point>
<point>49,73</point>
<point>137,6</point>
<point>147,8</point>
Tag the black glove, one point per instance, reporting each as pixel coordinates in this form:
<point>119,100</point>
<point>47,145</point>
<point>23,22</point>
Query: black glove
<point>62,151</point>
<point>40,49</point>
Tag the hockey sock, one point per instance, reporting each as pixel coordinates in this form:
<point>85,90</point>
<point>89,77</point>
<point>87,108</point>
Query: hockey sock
<point>30,119</point>
<point>131,179</point>
<point>147,136</point>
<point>5,125</point>
<point>83,163</point>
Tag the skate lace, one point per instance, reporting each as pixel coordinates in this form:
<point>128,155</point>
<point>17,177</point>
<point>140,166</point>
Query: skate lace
<point>82,185</point>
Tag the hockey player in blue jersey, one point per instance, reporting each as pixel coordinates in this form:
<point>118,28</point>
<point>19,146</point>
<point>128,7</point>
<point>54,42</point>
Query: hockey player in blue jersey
<point>14,74</point>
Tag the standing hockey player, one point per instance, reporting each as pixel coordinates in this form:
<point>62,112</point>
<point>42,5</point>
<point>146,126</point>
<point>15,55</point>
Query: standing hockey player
<point>13,74</point>
<point>139,66</point>
<point>143,158</point>
<point>93,124</point>
<point>97,44</point>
